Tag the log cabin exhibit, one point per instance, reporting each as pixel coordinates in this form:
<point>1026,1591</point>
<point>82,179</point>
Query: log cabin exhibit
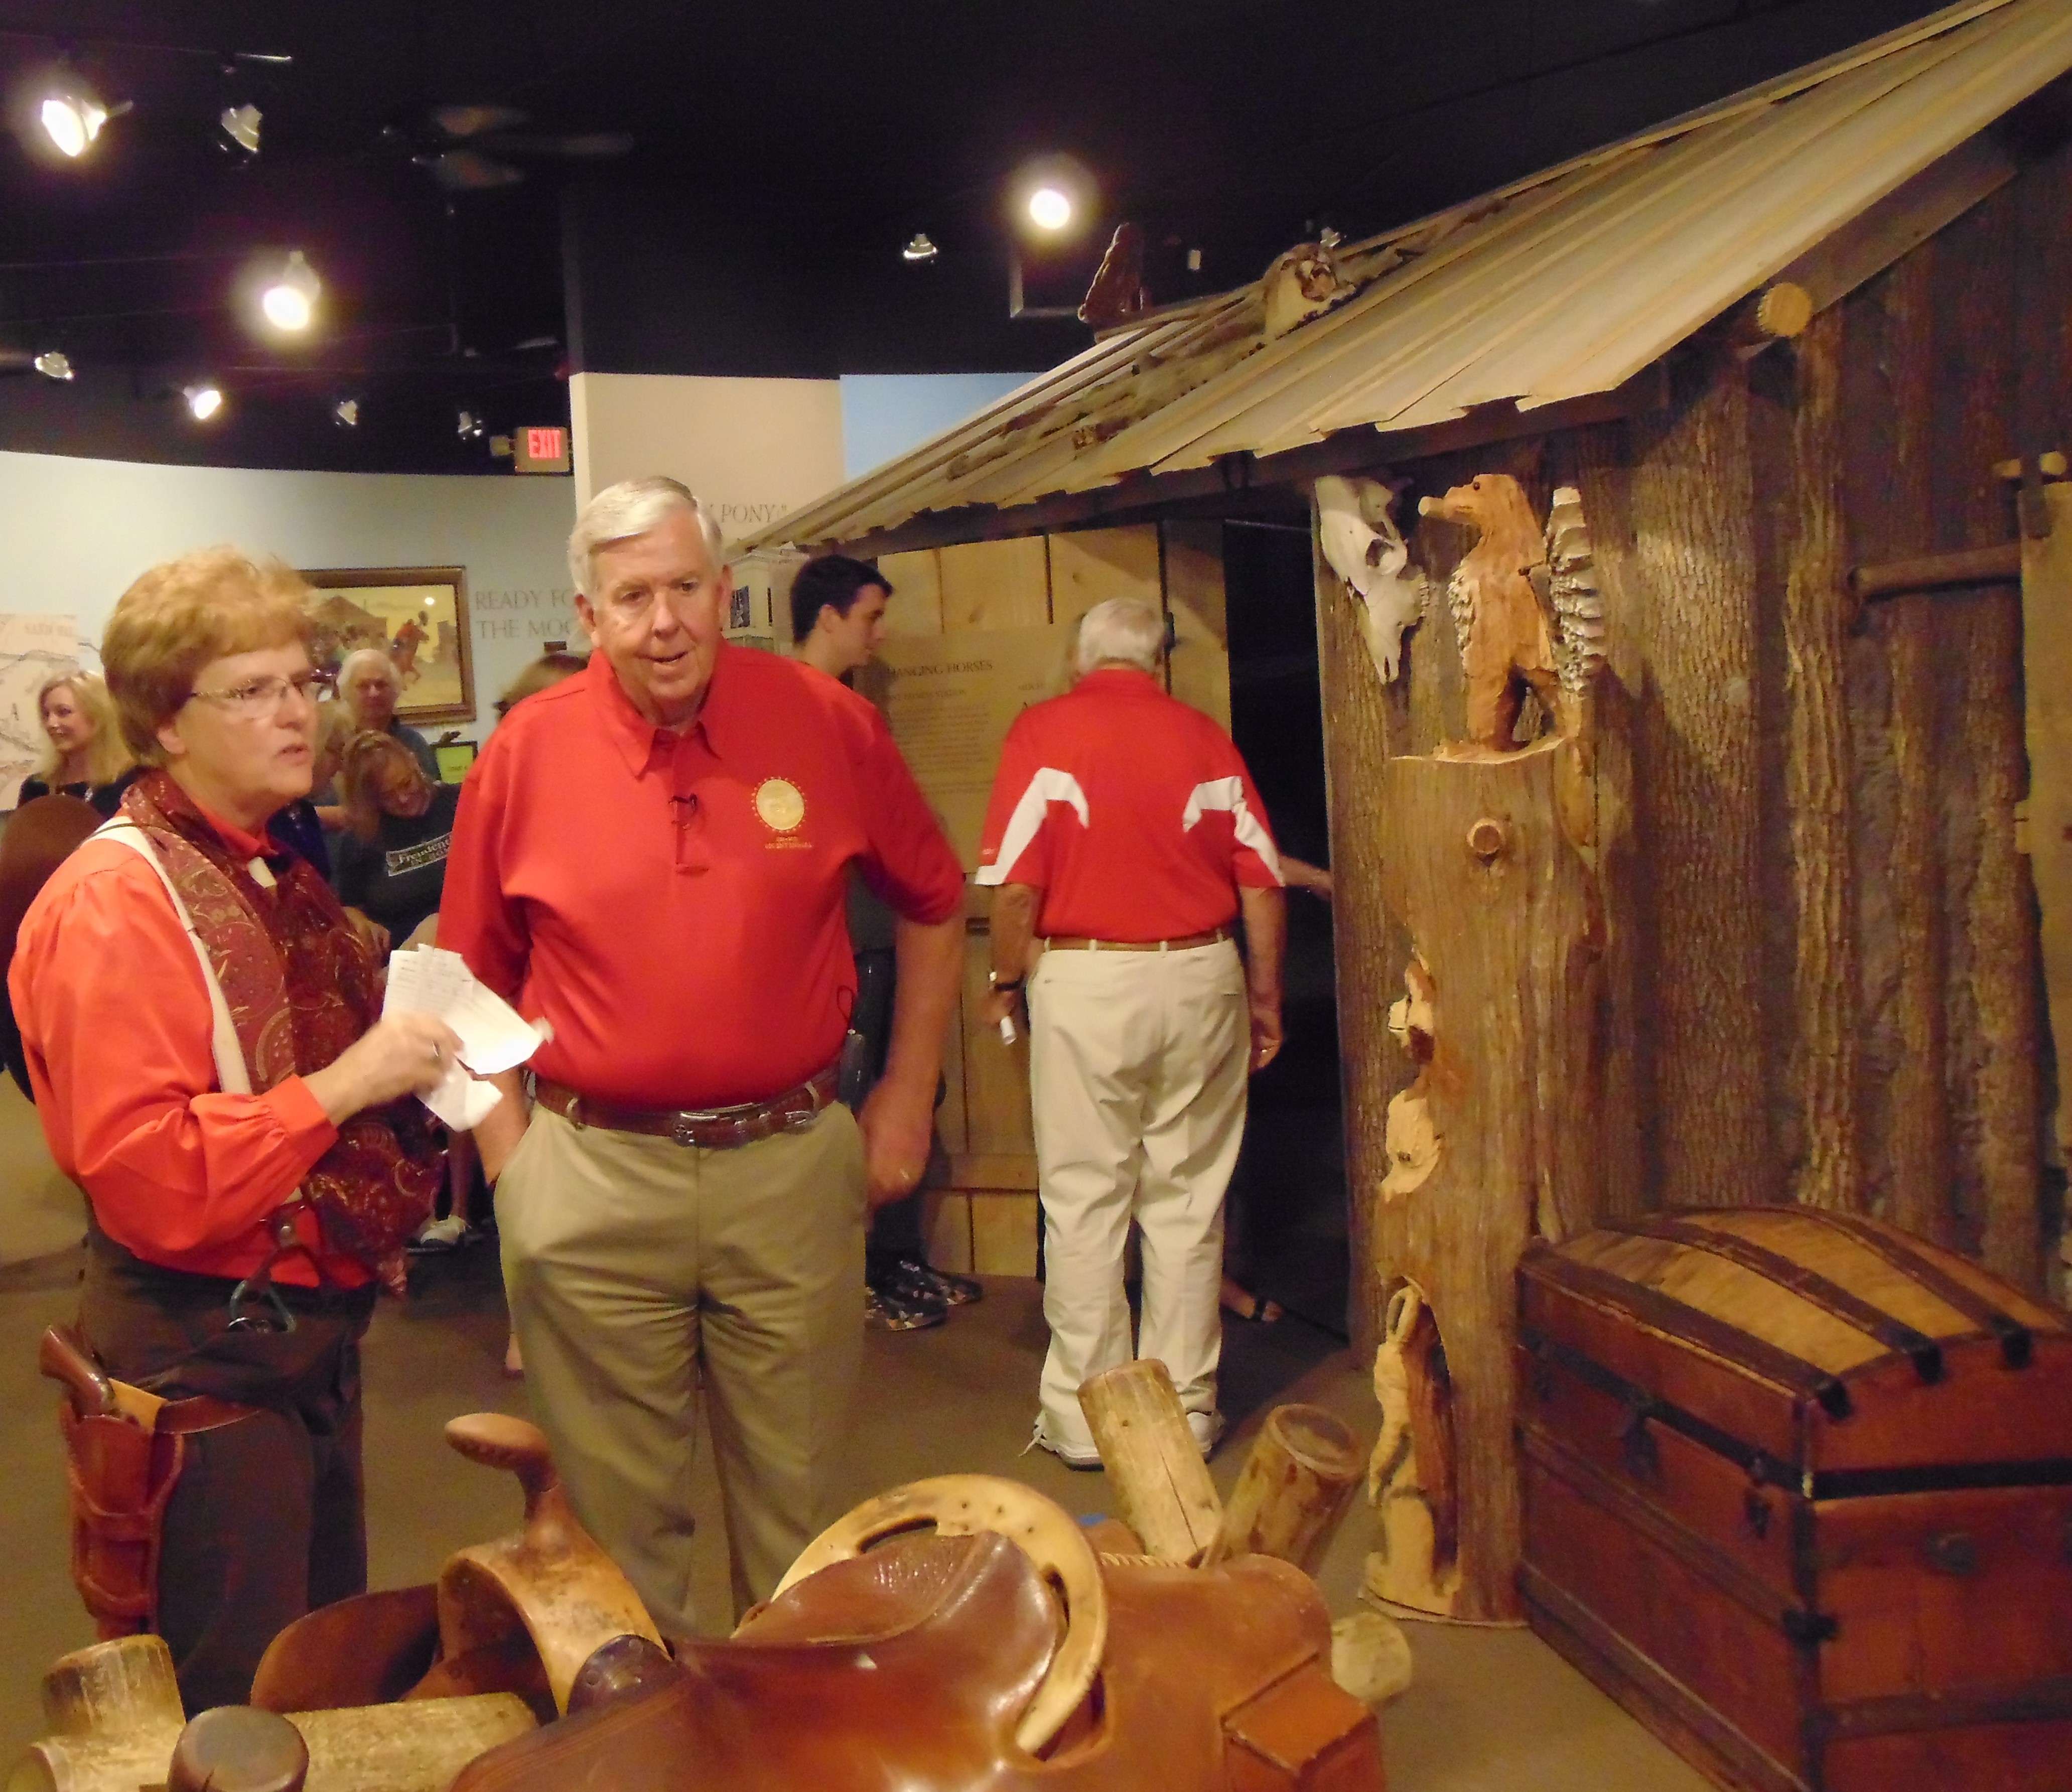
<point>1676,514</point>
<point>1647,587</point>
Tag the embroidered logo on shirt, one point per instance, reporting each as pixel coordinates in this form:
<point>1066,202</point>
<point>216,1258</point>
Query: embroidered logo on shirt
<point>781,804</point>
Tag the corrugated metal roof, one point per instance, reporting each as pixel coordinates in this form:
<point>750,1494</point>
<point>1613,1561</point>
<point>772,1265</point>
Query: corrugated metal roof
<point>1565,284</point>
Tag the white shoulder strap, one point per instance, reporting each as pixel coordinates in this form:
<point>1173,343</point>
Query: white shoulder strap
<point>233,1076</point>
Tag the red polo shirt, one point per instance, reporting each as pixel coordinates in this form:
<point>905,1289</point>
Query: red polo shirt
<point>1132,812</point>
<point>672,903</point>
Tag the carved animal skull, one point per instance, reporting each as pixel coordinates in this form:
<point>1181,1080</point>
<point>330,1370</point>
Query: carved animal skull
<point>1363,546</point>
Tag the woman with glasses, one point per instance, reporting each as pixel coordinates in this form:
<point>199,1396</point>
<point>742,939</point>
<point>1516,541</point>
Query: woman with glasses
<point>390,862</point>
<point>85,756</point>
<point>203,1029</point>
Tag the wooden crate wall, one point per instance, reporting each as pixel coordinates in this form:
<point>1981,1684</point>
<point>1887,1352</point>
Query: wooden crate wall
<point>983,1214</point>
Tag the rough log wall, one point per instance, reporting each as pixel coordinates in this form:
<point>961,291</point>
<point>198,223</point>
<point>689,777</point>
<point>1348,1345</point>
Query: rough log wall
<point>1818,779</point>
<point>1693,557</point>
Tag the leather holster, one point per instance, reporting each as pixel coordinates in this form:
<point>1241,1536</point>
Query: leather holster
<point>122,1475</point>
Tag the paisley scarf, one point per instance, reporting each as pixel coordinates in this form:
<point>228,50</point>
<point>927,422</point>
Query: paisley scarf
<point>301,986</point>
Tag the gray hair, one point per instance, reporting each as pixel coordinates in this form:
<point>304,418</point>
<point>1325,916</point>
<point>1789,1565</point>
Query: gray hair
<point>1122,632</point>
<point>630,508</point>
<point>368,657</point>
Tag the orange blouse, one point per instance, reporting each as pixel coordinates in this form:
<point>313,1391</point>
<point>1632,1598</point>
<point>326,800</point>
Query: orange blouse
<point>116,1025</point>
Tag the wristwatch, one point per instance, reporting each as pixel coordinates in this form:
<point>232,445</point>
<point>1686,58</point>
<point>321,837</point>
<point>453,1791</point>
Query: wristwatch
<point>995,982</point>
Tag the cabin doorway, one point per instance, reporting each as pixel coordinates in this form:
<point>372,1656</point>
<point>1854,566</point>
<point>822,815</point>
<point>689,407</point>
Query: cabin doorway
<point>1288,1217</point>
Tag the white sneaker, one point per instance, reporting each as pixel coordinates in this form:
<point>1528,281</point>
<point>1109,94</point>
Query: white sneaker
<point>1208,1430</point>
<point>441,1234</point>
<point>1072,1459</point>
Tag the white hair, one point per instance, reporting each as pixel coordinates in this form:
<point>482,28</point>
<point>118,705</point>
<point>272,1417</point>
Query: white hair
<point>1122,632</point>
<point>368,657</point>
<point>630,508</point>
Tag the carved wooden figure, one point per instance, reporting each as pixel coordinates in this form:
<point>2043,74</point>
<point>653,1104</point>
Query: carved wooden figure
<point>1525,604</point>
<point>1356,529</point>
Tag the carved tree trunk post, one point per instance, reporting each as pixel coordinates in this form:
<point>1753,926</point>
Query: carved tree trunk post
<point>1499,907</point>
<point>1818,612</point>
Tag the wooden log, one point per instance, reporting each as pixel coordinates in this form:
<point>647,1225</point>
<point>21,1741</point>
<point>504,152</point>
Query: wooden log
<point>1365,722</point>
<point>1697,795</point>
<point>113,1686</point>
<point>235,1749</point>
<point>1818,770</point>
<point>1917,1107</point>
<point>419,1746</point>
<point>1499,906</point>
<point>2046,600</point>
<point>1162,1488</point>
<point>1997,1042</point>
<point>1964,567</point>
<point>1293,1490</point>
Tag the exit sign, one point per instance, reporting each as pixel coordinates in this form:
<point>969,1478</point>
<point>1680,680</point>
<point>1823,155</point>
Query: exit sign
<point>541,448</point>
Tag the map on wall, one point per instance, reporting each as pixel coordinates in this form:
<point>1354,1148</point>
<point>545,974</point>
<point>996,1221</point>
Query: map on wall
<point>31,649</point>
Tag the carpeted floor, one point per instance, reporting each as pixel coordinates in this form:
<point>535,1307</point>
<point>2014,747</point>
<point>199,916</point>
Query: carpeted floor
<point>1489,1711</point>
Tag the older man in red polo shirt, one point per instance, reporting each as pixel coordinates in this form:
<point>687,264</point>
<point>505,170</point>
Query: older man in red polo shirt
<point>1125,837</point>
<point>652,857</point>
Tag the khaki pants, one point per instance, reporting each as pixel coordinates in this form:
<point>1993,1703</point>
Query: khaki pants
<point>1138,1064</point>
<point>634,1267</point>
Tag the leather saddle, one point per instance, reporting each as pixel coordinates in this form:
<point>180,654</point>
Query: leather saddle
<point>907,1668</point>
<point>961,1634</point>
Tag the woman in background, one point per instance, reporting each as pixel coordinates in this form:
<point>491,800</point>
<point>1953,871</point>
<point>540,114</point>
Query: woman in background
<point>83,756</point>
<point>391,860</point>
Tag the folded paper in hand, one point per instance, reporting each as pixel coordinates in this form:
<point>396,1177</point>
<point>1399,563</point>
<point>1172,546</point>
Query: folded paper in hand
<point>493,1037</point>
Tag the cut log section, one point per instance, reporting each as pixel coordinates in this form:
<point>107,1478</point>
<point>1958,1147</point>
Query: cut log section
<point>1293,1490</point>
<point>1162,1488</point>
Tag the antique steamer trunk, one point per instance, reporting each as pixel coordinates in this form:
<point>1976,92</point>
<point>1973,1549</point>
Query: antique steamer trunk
<point>1798,1494</point>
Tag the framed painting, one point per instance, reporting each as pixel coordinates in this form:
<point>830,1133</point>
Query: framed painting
<point>417,615</point>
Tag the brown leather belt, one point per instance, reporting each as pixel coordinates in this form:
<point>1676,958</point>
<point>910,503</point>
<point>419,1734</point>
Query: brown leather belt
<point>709,1128</point>
<point>1066,943</point>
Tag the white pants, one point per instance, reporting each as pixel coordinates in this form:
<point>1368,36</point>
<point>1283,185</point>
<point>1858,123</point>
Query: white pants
<point>1137,1066</point>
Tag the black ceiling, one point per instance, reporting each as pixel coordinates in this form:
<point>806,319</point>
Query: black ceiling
<point>783,151</point>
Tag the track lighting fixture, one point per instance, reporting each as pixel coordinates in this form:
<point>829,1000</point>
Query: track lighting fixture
<point>290,301</point>
<point>237,132</point>
<point>72,112</point>
<point>919,248</point>
<point>345,414</point>
<point>204,400</point>
<point>53,365</point>
<point>470,427</point>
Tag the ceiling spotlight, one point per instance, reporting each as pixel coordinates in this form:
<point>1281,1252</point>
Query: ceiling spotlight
<point>290,301</point>
<point>919,249</point>
<point>204,400</point>
<point>53,365</point>
<point>345,414</point>
<point>72,113</point>
<point>1049,208</point>
<point>470,427</point>
<point>238,128</point>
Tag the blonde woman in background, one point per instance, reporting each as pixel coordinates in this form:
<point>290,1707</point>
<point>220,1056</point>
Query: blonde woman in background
<point>83,754</point>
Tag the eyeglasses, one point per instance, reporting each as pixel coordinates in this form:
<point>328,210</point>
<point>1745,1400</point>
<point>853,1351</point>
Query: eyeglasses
<point>260,696</point>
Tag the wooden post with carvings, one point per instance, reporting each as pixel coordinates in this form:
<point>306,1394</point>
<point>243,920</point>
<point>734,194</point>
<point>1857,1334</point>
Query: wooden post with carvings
<point>1495,1143</point>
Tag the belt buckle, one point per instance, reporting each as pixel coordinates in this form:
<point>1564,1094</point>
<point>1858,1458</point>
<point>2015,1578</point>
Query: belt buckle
<point>683,1130</point>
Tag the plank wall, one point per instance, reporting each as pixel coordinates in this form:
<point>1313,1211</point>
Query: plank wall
<point>983,1214</point>
<point>1822,964</point>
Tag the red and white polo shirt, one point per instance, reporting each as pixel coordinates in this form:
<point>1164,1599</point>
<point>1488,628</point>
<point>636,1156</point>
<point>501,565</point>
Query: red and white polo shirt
<point>1133,814</point>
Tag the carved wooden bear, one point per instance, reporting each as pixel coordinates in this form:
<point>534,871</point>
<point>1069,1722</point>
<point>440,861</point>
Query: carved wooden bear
<point>1506,635</point>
